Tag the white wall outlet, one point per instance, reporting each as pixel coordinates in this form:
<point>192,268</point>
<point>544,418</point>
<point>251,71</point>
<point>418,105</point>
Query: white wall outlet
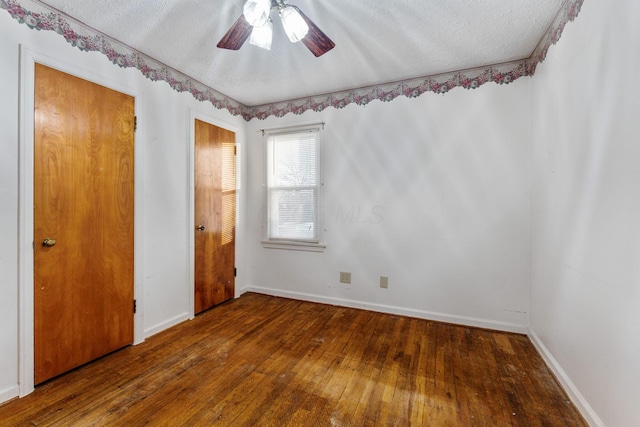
<point>345,277</point>
<point>384,282</point>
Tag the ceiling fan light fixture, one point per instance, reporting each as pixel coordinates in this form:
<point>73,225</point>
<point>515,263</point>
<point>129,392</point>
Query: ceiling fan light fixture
<point>294,25</point>
<point>262,36</point>
<point>256,12</point>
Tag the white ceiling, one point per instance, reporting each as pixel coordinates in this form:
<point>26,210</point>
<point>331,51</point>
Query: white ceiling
<point>376,41</point>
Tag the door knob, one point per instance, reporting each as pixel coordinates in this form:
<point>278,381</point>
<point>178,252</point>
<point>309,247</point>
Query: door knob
<point>200,228</point>
<point>48,242</point>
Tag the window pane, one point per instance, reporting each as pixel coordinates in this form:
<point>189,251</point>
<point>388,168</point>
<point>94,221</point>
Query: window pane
<point>293,214</point>
<point>295,160</point>
<point>293,185</point>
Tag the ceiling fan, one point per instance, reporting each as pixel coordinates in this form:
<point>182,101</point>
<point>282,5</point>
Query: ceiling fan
<point>255,21</point>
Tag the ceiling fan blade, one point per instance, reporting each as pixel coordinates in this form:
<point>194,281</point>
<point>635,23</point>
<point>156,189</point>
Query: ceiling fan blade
<point>237,35</point>
<point>315,40</point>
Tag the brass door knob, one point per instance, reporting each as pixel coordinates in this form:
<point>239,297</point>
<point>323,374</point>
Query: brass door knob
<point>200,228</point>
<point>48,243</point>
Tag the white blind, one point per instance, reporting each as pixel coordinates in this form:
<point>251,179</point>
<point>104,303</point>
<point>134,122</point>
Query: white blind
<point>293,185</point>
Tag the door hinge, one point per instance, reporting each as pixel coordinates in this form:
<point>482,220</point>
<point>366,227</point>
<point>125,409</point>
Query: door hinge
<point>135,306</point>
<point>235,150</point>
<point>235,272</point>
<point>135,123</point>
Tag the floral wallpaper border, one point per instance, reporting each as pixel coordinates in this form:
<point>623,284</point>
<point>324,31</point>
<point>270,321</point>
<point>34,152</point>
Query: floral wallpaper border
<point>40,17</point>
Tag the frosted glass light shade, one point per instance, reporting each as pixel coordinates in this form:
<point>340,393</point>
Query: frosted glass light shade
<point>261,36</point>
<point>293,24</point>
<point>256,12</point>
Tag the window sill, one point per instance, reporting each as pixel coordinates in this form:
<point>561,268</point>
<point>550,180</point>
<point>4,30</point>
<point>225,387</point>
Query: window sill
<point>294,246</point>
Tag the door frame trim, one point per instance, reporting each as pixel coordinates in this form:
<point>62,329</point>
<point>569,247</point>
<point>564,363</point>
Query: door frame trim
<point>28,58</point>
<point>193,115</point>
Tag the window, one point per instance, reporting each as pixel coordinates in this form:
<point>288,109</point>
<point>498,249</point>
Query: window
<point>294,188</point>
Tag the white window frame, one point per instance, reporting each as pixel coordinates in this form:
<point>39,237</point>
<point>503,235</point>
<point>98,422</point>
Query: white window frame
<point>316,245</point>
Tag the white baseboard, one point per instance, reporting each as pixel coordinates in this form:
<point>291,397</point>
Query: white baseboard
<point>9,393</point>
<point>166,324</point>
<point>181,318</point>
<point>420,314</point>
<point>570,388</point>
<point>241,291</point>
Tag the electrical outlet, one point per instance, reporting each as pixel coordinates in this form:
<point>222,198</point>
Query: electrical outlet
<point>384,282</point>
<point>345,277</point>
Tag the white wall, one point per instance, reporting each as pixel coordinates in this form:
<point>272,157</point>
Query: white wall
<point>432,192</point>
<point>8,214</point>
<point>585,295</point>
<point>163,132</point>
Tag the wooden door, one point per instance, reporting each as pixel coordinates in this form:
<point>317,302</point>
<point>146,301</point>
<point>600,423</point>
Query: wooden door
<point>83,199</point>
<point>215,215</point>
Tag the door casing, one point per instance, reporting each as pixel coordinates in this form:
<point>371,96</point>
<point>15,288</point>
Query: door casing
<point>193,116</point>
<point>28,58</point>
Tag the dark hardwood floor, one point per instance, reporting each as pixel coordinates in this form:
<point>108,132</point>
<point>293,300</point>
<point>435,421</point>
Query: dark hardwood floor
<point>265,361</point>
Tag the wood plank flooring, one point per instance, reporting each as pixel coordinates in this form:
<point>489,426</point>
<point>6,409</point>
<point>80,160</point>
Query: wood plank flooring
<point>266,361</point>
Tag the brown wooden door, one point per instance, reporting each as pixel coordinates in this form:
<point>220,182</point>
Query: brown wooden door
<point>83,199</point>
<point>215,215</point>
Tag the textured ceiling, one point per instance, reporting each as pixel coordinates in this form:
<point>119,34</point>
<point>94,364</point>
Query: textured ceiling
<point>376,41</point>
